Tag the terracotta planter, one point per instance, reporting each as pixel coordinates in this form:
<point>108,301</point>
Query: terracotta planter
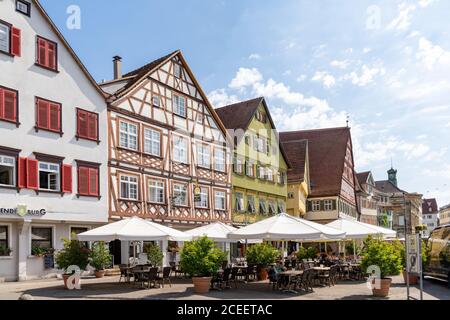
<point>263,275</point>
<point>383,291</point>
<point>413,279</point>
<point>65,278</point>
<point>99,273</point>
<point>201,284</point>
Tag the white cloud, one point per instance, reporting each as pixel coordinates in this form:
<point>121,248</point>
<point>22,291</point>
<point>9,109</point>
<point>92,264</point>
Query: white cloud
<point>327,79</point>
<point>220,98</point>
<point>426,3</point>
<point>254,56</point>
<point>367,50</point>
<point>287,73</point>
<point>435,109</point>
<point>366,75</point>
<point>290,45</point>
<point>301,78</point>
<point>341,64</point>
<point>430,54</point>
<point>403,20</point>
<point>245,77</point>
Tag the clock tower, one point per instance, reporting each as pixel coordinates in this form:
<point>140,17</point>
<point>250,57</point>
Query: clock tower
<point>392,174</point>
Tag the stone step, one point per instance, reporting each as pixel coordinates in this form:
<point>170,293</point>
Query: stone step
<point>112,272</point>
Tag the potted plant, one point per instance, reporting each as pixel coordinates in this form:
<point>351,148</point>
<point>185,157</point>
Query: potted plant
<point>201,259</point>
<point>40,252</point>
<point>5,251</point>
<point>99,258</point>
<point>384,256</point>
<point>154,255</point>
<point>73,254</point>
<point>262,255</point>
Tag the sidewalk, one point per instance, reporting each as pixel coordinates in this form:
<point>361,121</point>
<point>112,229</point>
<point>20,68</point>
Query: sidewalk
<point>110,289</point>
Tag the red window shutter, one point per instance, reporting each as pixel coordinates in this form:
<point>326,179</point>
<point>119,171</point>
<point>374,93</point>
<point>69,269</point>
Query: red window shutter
<point>1,102</point>
<point>93,182</point>
<point>82,123</point>
<point>42,114</point>
<point>67,178</point>
<point>51,55</point>
<point>93,123</point>
<point>41,52</point>
<point>32,174</point>
<point>15,41</point>
<point>83,180</point>
<point>55,118</point>
<point>22,171</point>
<point>9,105</point>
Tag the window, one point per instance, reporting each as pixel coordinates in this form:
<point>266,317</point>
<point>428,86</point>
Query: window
<point>8,105</point>
<point>238,166</point>
<point>128,135</point>
<point>41,238</point>
<point>269,174</point>
<point>272,209</point>
<point>291,195</point>
<point>200,118</point>
<point>49,176</point>
<point>47,54</point>
<point>261,117</point>
<point>239,198</point>
<point>75,231</point>
<point>156,101</point>
<point>23,7</point>
<point>7,171</point>
<point>250,168</point>
<point>251,204</point>
<point>87,125</point>
<point>315,205</point>
<point>180,149</point>
<point>219,160</point>
<point>203,156</point>
<point>152,142</point>
<point>204,199</point>
<point>328,205</point>
<point>220,200</point>
<point>48,115</point>
<point>4,237</point>
<point>177,70</point>
<point>281,207</point>
<point>281,177</point>
<point>179,107</point>
<point>260,144</point>
<point>88,180</point>
<point>180,194</point>
<point>261,173</point>
<point>10,39</point>
<point>156,191</point>
<point>128,188</point>
<point>262,206</point>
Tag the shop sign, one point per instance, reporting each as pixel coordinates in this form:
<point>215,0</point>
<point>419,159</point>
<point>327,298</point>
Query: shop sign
<point>22,211</point>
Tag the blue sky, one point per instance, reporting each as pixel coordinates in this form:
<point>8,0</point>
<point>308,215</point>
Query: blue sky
<point>384,63</point>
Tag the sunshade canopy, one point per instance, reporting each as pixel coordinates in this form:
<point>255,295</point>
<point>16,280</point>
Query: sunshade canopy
<point>359,230</point>
<point>286,227</point>
<point>134,229</point>
<point>217,232</point>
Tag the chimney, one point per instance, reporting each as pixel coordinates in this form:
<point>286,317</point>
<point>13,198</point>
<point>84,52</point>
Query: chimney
<point>117,60</point>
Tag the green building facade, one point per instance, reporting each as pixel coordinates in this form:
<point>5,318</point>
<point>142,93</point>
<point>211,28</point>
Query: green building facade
<point>260,167</point>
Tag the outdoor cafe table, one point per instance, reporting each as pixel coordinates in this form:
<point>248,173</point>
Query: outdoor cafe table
<point>290,274</point>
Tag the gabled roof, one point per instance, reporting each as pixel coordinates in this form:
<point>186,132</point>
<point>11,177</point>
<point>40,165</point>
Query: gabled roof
<point>297,153</point>
<point>388,187</point>
<point>239,116</point>
<point>68,47</point>
<point>327,150</point>
<point>429,204</point>
<point>363,177</point>
<point>137,76</point>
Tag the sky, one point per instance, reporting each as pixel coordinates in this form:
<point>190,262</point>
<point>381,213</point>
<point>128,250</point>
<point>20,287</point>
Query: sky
<point>383,65</point>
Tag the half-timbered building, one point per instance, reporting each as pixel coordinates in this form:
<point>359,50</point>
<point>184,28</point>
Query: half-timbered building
<point>167,147</point>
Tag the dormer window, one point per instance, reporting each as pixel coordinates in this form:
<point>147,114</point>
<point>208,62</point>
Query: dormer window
<point>177,70</point>
<point>156,101</point>
<point>23,7</point>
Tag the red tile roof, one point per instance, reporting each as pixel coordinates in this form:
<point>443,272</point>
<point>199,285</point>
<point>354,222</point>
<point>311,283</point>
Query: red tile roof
<point>296,152</point>
<point>429,204</point>
<point>388,187</point>
<point>326,149</point>
<point>239,115</point>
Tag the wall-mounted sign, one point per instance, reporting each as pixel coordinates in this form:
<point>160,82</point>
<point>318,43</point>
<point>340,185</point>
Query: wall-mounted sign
<point>22,211</point>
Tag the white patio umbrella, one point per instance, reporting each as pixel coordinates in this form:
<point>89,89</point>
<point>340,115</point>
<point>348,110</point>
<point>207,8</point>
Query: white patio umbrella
<point>134,229</point>
<point>218,232</point>
<point>284,227</point>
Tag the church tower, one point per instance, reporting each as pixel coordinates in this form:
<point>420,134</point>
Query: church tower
<point>392,174</point>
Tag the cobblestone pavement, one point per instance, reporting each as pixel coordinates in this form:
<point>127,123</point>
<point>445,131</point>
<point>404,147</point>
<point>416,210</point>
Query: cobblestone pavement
<point>110,289</point>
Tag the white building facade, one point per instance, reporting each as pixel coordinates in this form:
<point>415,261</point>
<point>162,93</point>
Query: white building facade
<point>430,216</point>
<point>53,143</point>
